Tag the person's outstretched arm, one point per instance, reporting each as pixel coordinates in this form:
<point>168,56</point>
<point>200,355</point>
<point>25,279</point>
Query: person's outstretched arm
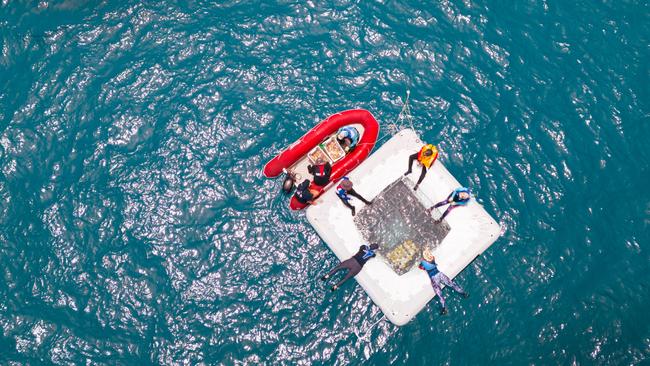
<point>450,195</point>
<point>447,211</point>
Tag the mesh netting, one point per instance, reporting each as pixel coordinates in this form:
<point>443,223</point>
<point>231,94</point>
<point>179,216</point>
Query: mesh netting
<point>399,223</point>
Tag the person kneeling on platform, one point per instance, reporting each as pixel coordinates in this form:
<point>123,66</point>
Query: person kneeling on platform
<point>438,278</point>
<point>321,172</point>
<point>305,195</point>
<point>426,157</point>
<point>353,265</point>
<point>344,190</point>
<point>348,137</point>
<point>459,197</point>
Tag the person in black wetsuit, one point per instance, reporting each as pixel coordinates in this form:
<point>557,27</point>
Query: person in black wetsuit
<point>426,157</point>
<point>303,194</point>
<point>344,190</point>
<point>321,172</point>
<point>353,265</point>
<point>458,197</point>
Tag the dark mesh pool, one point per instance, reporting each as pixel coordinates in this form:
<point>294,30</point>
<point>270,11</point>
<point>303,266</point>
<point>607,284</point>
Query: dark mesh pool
<point>399,223</point>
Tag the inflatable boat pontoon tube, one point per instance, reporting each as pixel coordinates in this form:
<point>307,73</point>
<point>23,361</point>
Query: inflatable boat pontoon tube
<point>296,154</point>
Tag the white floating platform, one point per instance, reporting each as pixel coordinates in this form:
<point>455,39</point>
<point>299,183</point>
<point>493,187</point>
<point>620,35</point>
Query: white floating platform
<point>472,229</point>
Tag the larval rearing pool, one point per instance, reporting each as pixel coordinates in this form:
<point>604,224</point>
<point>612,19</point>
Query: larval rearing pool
<point>397,221</point>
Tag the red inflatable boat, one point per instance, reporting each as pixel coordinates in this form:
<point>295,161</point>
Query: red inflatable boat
<point>300,154</point>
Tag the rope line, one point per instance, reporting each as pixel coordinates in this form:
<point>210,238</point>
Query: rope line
<point>404,118</point>
<point>366,335</point>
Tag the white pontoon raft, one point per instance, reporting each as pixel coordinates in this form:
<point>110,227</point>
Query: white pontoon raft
<point>398,222</point>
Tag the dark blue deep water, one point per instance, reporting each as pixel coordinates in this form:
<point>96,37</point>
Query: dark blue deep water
<point>136,226</point>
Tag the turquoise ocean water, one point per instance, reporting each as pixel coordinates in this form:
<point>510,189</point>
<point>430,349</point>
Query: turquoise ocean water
<point>136,226</point>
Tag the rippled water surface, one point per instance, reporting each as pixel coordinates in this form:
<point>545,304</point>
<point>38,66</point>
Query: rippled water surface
<point>136,226</point>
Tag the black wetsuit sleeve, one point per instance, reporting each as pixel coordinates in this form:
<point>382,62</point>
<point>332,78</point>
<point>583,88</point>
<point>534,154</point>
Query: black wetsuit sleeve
<point>328,170</point>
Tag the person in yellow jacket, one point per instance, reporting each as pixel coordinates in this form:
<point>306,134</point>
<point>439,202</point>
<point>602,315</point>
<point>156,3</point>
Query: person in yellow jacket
<point>426,157</point>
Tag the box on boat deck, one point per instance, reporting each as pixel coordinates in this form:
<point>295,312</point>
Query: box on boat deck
<point>398,221</point>
<point>329,150</point>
